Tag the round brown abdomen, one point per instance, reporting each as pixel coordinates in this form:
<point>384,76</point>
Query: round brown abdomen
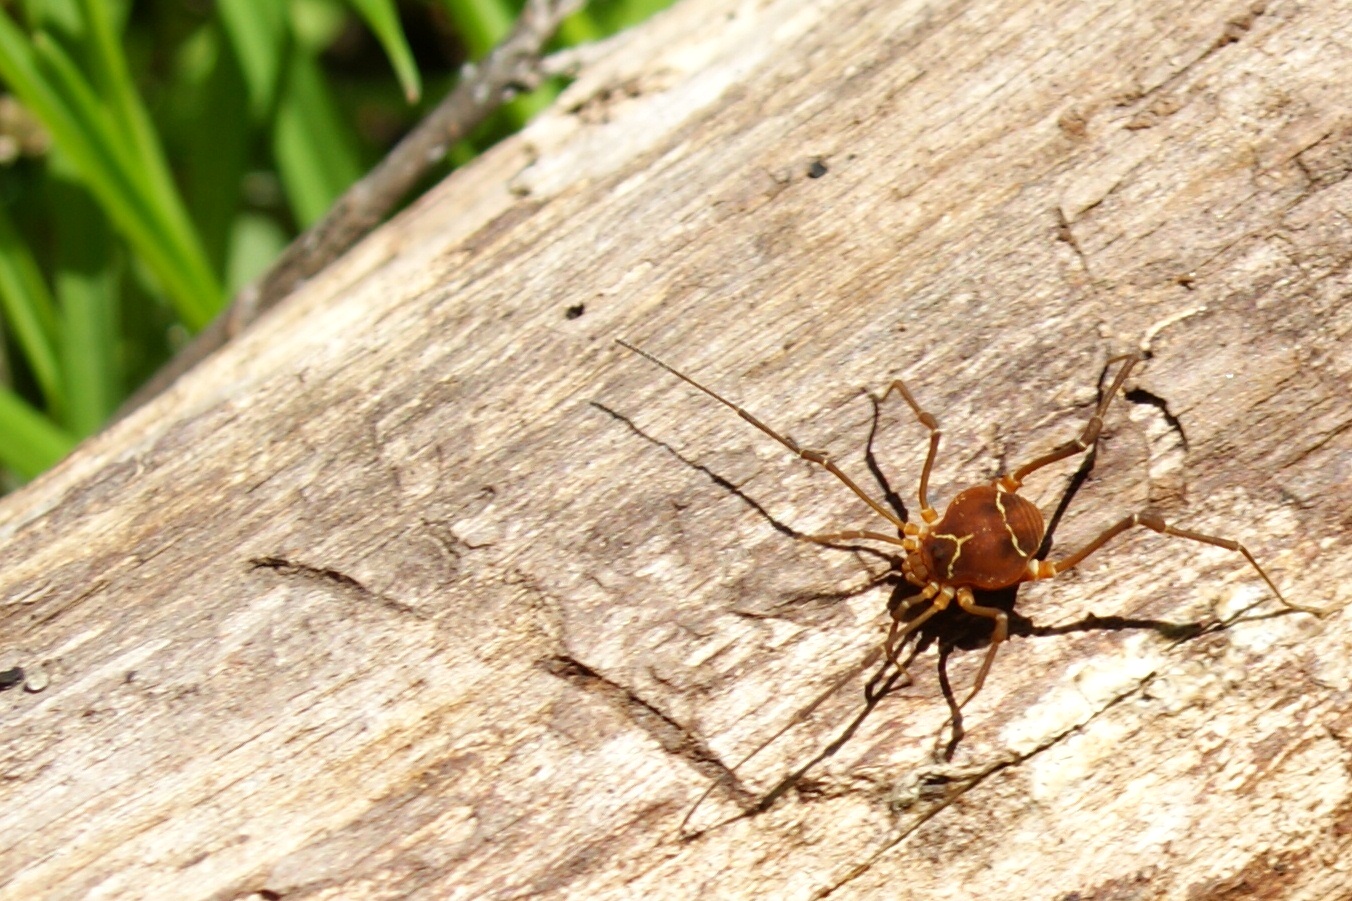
<point>984,540</point>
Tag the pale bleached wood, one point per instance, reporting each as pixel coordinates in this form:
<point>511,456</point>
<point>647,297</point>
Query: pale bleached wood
<point>409,593</point>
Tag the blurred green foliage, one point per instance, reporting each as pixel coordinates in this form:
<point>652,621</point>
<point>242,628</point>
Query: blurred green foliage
<point>157,156</point>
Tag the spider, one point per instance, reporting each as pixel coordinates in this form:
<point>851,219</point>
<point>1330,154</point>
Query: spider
<point>988,537</point>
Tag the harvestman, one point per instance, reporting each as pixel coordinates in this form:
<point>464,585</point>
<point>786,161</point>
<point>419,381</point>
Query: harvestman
<point>988,537</point>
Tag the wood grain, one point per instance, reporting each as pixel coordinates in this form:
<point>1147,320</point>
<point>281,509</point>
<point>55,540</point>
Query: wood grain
<point>425,588</point>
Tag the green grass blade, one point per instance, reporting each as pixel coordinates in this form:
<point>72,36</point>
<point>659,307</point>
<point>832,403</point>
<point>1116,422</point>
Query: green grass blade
<point>109,164</point>
<point>315,153</point>
<point>255,241</point>
<point>212,163</point>
<point>29,442</point>
<point>129,116</point>
<point>258,34</point>
<point>29,311</point>
<point>580,28</point>
<point>383,19</point>
<point>87,290</point>
<point>48,84</point>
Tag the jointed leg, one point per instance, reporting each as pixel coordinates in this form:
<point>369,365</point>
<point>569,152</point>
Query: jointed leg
<point>938,598</point>
<point>967,602</point>
<point>929,422</point>
<point>1156,523</point>
<point>854,535</point>
<point>812,456</point>
<point>1087,439</point>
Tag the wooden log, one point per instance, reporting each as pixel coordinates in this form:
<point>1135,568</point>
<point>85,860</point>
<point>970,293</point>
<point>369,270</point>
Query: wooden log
<point>426,588</point>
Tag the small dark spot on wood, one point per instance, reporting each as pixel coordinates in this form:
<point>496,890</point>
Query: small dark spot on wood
<point>575,311</point>
<point>11,677</point>
<point>1240,25</point>
<point>1073,123</point>
<point>816,168</point>
<point>268,894</point>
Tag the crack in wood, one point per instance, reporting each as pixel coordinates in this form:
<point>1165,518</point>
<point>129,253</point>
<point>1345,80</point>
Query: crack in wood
<point>1179,633</point>
<point>1141,396</point>
<point>332,578</point>
<point>1234,29</point>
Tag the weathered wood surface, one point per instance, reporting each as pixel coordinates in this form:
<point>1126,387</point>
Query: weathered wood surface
<point>425,589</point>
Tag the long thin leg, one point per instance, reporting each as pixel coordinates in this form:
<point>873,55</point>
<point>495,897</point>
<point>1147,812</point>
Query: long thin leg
<point>1087,439</point>
<point>821,458</point>
<point>897,634</point>
<point>1156,523</point>
<point>870,702</point>
<point>968,602</point>
<point>929,422</point>
<point>855,534</point>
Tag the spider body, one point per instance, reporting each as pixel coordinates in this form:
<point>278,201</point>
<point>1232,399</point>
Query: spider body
<point>985,540</point>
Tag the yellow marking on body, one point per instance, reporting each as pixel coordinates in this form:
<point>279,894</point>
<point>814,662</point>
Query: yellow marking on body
<point>1004,518</point>
<point>957,549</point>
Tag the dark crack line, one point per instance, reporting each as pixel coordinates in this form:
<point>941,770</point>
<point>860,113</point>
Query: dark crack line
<point>332,578</point>
<point>1066,234</point>
<point>671,735</point>
<point>1232,32</point>
<point>1139,395</point>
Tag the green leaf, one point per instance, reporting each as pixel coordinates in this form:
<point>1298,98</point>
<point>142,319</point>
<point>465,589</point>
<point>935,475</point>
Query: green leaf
<point>30,311</point>
<point>259,35</point>
<point>29,442</point>
<point>212,162</point>
<point>114,84</point>
<point>110,164</point>
<point>315,152</point>
<point>383,18</point>
<point>87,290</point>
<point>255,242</point>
